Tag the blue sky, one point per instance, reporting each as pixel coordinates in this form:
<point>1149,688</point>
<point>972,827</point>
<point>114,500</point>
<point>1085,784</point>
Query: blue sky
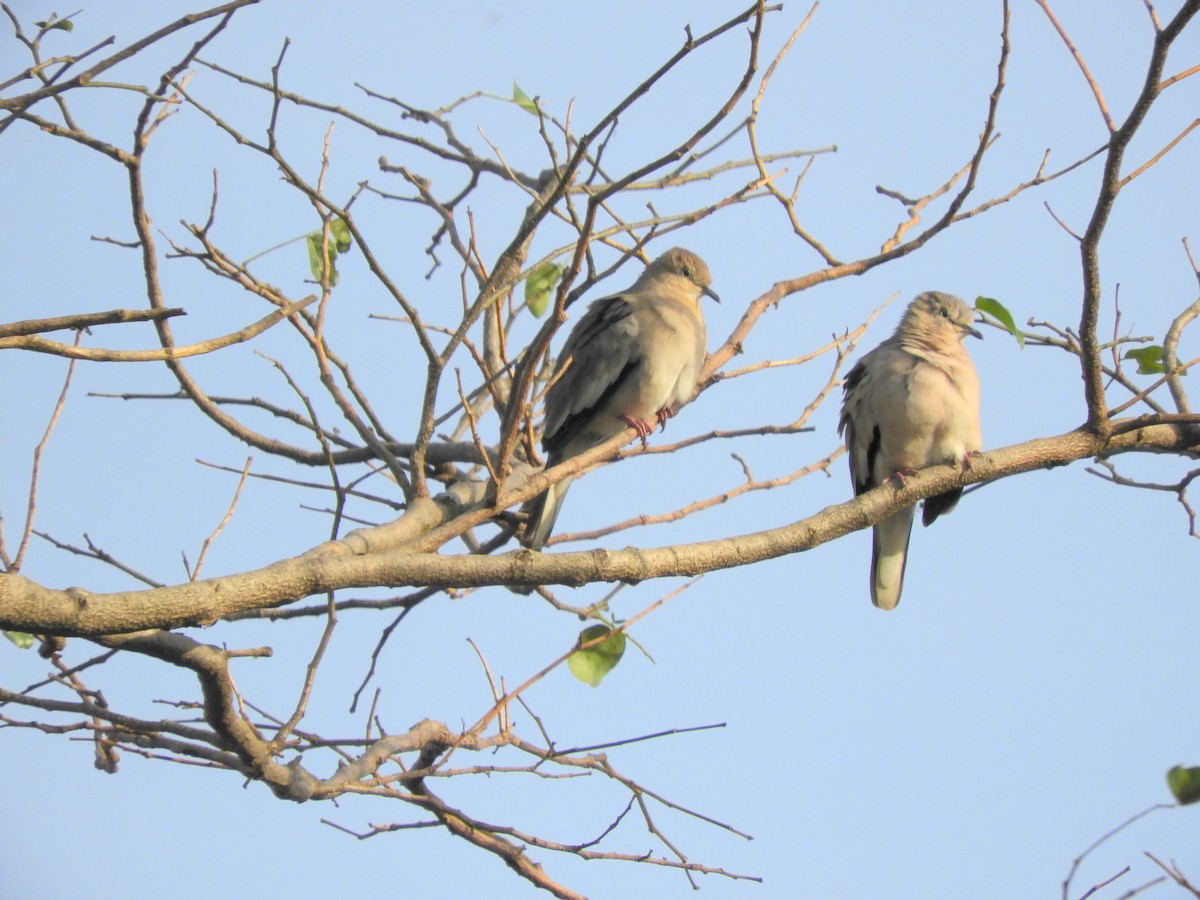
<point>1027,696</point>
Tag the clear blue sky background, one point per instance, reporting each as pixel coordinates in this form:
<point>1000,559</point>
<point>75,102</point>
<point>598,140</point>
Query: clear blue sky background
<point>1029,694</point>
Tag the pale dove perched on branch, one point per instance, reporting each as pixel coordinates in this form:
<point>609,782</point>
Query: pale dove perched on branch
<point>911,402</point>
<point>630,362</point>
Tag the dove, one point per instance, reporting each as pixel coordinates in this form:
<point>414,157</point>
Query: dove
<point>911,402</point>
<point>630,362</point>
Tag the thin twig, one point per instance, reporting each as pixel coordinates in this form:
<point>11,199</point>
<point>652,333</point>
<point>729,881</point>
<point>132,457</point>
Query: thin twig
<point>35,474</point>
<point>194,574</point>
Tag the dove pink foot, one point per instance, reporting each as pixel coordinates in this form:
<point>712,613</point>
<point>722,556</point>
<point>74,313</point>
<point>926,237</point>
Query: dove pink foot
<point>641,426</point>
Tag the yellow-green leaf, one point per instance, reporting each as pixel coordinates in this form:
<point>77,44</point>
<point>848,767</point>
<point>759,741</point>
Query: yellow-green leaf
<point>1185,784</point>
<point>1000,313</point>
<point>523,100</point>
<point>1149,359</point>
<point>20,638</point>
<point>55,22</point>
<point>538,285</point>
<point>339,242</point>
<point>590,665</point>
<point>339,232</point>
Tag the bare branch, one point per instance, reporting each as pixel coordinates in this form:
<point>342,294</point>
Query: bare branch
<point>35,475</point>
<point>96,354</point>
<point>1097,406</point>
<point>1087,75</point>
<point>85,320</point>
<point>24,101</point>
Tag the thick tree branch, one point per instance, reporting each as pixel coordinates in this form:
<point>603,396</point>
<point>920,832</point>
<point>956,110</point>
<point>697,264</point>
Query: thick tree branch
<point>1110,186</point>
<point>28,606</point>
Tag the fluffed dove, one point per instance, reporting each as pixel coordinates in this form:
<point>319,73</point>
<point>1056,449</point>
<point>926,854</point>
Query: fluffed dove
<point>911,402</point>
<point>630,362</point>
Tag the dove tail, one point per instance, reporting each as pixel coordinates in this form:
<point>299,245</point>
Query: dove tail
<point>889,554</point>
<point>542,511</point>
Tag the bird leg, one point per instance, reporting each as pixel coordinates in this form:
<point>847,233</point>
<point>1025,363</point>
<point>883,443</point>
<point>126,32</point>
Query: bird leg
<point>899,478</point>
<point>641,426</point>
<point>662,415</point>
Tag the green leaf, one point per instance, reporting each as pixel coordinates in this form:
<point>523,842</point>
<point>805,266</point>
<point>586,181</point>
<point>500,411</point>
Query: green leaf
<point>523,100</point>
<point>339,231</point>
<point>315,266</point>
<point>999,311</point>
<point>55,22</point>
<point>538,286</point>
<point>591,665</point>
<point>1185,784</point>
<point>20,638</point>
<point>339,242</point>
<point>1149,359</point>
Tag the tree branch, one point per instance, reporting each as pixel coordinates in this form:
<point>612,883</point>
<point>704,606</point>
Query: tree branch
<point>27,606</point>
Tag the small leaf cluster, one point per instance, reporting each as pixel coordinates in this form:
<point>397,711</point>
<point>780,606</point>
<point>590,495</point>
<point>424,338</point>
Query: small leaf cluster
<point>339,242</point>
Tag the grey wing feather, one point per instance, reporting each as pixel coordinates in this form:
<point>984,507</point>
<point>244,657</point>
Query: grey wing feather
<point>862,436</point>
<point>600,354</point>
<point>939,504</point>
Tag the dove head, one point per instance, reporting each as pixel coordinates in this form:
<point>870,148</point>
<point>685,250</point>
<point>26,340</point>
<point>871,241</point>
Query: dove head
<point>683,270</point>
<point>937,320</point>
